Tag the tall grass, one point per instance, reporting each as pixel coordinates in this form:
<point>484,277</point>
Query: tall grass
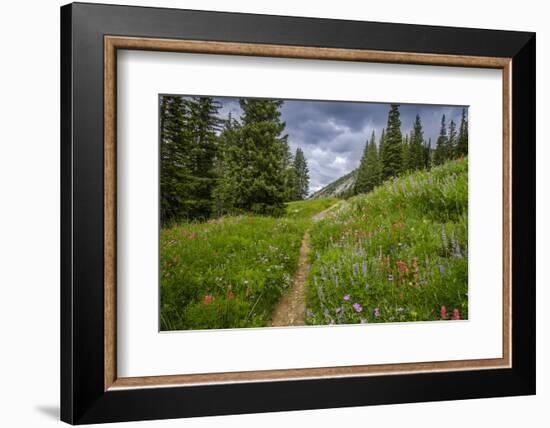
<point>230,272</point>
<point>396,254</point>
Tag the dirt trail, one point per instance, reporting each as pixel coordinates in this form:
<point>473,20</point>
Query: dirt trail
<point>290,311</point>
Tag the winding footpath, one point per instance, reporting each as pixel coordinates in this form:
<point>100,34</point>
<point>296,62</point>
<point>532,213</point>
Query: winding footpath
<point>290,311</point>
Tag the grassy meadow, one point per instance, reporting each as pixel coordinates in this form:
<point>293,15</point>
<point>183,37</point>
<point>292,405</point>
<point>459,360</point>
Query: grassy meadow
<point>398,253</point>
<point>231,271</point>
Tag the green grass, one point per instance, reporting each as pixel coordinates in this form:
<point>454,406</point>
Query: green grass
<point>399,253</point>
<point>308,208</point>
<point>230,272</point>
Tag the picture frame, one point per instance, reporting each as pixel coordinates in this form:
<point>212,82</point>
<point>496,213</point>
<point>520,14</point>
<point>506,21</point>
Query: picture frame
<point>91,35</point>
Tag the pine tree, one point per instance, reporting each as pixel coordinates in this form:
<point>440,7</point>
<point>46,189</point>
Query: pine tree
<point>391,150</point>
<point>452,141</point>
<point>290,178</point>
<point>255,159</point>
<point>427,153</point>
<point>368,174</point>
<point>188,145</point>
<point>228,165</point>
<point>405,161</point>
<point>417,150</point>
<point>462,144</point>
<point>202,124</point>
<point>173,162</point>
<point>381,147</point>
<point>440,153</point>
<point>301,174</point>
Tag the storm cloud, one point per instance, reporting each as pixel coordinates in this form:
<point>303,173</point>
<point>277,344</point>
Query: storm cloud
<point>332,134</point>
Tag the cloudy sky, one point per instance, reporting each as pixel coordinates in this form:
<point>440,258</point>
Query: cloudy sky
<point>332,134</point>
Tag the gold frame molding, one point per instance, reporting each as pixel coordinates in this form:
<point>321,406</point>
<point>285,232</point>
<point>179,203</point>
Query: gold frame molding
<point>113,43</point>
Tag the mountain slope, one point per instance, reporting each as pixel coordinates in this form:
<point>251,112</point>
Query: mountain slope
<point>340,188</point>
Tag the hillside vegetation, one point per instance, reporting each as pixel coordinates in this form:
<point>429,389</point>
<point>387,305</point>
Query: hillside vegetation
<point>398,253</point>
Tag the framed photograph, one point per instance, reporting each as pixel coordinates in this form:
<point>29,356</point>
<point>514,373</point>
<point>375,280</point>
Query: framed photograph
<point>265,213</point>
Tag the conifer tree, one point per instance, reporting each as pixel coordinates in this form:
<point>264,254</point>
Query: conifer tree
<point>188,145</point>
<point>173,159</point>
<point>381,148</point>
<point>201,126</point>
<point>254,164</point>
<point>301,174</point>
<point>427,153</point>
<point>228,165</point>
<point>462,144</point>
<point>452,141</point>
<point>440,153</point>
<point>417,150</point>
<point>290,178</point>
<point>405,160</point>
<point>391,151</point>
<point>368,174</point>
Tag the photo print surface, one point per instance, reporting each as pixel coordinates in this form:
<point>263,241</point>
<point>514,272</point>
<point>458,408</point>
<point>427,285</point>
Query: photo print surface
<point>279,213</point>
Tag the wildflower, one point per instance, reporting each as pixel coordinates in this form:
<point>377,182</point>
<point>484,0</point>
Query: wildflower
<point>357,307</point>
<point>230,295</point>
<point>366,285</point>
<point>208,299</point>
<point>364,268</point>
<point>456,314</point>
<point>443,312</point>
<point>346,297</point>
<point>456,248</point>
<point>390,277</point>
<point>441,269</point>
<point>339,309</point>
<point>376,312</point>
<point>363,321</point>
<point>402,267</point>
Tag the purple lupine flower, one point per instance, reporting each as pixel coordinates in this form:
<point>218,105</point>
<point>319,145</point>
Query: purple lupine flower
<point>339,309</point>
<point>336,281</point>
<point>347,297</point>
<point>357,307</point>
<point>456,248</point>
<point>441,269</point>
<point>364,268</point>
<point>366,285</point>
<point>376,312</point>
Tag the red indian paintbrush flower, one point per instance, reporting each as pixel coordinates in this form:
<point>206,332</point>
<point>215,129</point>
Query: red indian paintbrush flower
<point>443,313</point>
<point>456,314</point>
<point>208,299</point>
<point>402,267</point>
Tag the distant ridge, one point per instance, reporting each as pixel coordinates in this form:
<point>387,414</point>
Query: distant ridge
<point>340,188</point>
